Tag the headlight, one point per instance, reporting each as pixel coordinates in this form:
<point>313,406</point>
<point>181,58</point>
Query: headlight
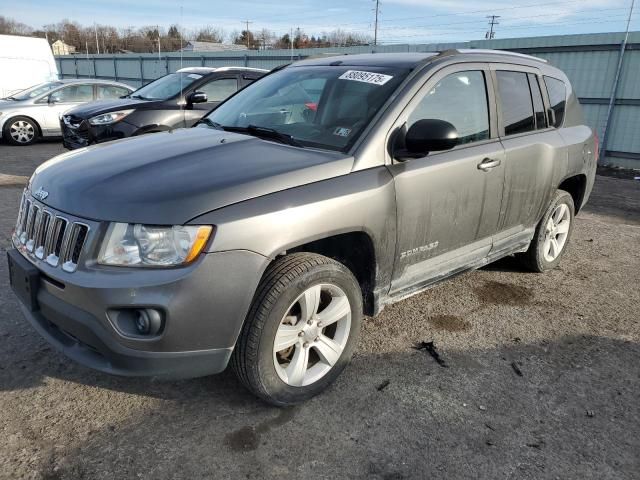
<point>109,118</point>
<point>152,246</point>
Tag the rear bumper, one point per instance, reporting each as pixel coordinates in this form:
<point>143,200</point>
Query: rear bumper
<point>203,305</point>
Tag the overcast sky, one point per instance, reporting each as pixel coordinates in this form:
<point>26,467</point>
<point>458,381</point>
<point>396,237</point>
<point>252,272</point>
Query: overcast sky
<point>401,21</point>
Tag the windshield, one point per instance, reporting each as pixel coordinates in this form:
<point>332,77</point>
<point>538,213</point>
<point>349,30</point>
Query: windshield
<point>166,87</point>
<point>318,106</point>
<point>35,91</point>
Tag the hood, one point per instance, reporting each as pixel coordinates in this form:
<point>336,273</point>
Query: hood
<point>9,104</point>
<point>98,107</point>
<point>172,177</point>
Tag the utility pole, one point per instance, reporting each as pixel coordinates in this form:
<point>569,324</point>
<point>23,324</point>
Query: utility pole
<point>291,42</point>
<point>492,22</point>
<point>247,22</point>
<point>614,90</point>
<point>375,30</point>
<point>95,27</point>
<point>159,52</point>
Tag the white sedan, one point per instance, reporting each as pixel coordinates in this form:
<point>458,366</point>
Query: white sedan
<point>35,112</point>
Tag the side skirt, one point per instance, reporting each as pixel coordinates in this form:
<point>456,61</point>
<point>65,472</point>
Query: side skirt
<point>381,301</point>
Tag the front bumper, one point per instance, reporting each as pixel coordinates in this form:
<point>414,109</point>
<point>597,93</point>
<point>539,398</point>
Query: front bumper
<point>79,133</point>
<point>204,308</point>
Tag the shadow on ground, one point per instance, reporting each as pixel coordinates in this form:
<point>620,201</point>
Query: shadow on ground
<point>562,409</point>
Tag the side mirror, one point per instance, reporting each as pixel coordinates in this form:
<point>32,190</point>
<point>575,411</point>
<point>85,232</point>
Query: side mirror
<point>196,97</point>
<point>428,135</point>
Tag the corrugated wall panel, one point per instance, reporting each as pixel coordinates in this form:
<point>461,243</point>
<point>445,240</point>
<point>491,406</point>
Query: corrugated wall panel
<point>591,73</point>
<point>625,129</point>
<point>589,61</point>
<point>630,77</point>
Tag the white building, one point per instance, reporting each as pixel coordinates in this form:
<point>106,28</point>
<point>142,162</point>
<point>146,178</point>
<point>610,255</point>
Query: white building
<point>61,48</point>
<point>195,46</point>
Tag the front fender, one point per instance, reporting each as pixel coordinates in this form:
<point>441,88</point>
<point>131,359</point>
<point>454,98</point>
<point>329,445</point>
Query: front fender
<point>362,201</point>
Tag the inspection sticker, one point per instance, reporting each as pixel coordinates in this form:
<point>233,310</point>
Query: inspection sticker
<point>365,77</point>
<point>342,132</point>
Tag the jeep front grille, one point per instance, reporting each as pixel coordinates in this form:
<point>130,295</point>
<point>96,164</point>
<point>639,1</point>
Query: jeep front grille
<point>49,236</point>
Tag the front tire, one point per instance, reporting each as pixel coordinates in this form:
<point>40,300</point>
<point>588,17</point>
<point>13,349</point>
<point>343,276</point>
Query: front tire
<point>301,330</point>
<point>552,234</point>
<point>20,131</point>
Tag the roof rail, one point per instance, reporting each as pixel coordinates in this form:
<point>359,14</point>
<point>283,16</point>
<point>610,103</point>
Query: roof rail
<point>454,51</point>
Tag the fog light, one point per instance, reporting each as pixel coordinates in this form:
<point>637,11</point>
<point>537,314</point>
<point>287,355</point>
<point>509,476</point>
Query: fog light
<point>137,322</point>
<point>143,325</point>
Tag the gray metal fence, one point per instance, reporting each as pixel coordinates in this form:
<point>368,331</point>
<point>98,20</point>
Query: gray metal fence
<point>589,60</point>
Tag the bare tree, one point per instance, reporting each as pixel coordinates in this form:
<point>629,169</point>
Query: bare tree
<point>9,26</point>
<point>209,33</point>
<point>146,39</point>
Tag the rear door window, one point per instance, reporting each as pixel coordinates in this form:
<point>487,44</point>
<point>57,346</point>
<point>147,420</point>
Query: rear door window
<point>557,91</point>
<point>73,94</point>
<point>247,79</point>
<point>110,91</point>
<point>461,100</point>
<point>538,104</point>
<point>218,90</point>
<point>515,101</point>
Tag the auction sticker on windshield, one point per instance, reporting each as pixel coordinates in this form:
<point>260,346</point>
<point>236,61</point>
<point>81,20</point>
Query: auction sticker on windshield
<point>366,77</point>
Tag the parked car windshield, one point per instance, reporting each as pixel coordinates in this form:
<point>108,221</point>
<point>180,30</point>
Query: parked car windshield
<point>166,87</point>
<point>318,106</point>
<point>35,91</point>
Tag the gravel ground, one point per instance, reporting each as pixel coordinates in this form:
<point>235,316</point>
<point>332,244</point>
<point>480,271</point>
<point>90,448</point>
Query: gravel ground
<point>540,379</point>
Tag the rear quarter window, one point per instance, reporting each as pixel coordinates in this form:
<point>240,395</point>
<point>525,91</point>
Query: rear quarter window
<point>516,104</point>
<point>557,92</point>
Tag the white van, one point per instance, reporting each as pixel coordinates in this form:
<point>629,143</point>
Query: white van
<point>24,62</point>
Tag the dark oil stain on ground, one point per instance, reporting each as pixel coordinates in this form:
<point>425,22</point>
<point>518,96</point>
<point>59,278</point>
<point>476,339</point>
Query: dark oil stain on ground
<point>499,293</point>
<point>247,438</point>
<point>450,323</point>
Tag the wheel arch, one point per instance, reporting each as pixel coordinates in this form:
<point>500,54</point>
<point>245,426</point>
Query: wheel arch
<point>576,186</point>
<point>356,251</point>
<point>155,128</point>
<point>36,123</point>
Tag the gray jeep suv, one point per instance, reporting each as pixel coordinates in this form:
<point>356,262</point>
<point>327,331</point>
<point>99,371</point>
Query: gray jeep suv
<point>324,191</point>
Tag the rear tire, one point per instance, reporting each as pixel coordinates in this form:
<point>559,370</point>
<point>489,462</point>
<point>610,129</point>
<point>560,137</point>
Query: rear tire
<point>552,234</point>
<point>20,131</point>
<point>301,330</point>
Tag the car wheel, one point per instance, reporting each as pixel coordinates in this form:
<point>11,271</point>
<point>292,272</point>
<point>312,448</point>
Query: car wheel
<point>20,131</point>
<point>552,234</point>
<point>301,329</point>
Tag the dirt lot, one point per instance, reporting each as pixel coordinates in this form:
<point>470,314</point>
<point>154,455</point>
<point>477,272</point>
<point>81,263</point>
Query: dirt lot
<point>541,379</point>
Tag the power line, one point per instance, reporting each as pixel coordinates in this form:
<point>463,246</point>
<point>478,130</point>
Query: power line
<point>352,25</point>
<point>586,21</point>
<point>508,19</point>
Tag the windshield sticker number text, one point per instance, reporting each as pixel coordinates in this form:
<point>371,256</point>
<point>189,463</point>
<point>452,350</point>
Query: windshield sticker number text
<point>365,77</point>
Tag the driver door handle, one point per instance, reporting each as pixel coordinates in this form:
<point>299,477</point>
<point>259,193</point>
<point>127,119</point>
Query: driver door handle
<point>488,163</point>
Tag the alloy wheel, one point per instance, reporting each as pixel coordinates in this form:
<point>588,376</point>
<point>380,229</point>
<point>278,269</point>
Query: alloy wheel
<point>557,232</point>
<point>312,335</point>
<point>22,131</point>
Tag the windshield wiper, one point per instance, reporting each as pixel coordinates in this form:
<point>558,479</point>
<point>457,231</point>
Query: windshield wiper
<point>265,132</point>
<point>139,96</point>
<point>210,123</point>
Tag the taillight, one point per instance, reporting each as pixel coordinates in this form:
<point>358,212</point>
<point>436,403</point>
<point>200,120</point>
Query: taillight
<point>597,147</point>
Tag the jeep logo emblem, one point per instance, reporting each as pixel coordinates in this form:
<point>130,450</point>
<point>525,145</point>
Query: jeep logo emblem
<point>41,194</point>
